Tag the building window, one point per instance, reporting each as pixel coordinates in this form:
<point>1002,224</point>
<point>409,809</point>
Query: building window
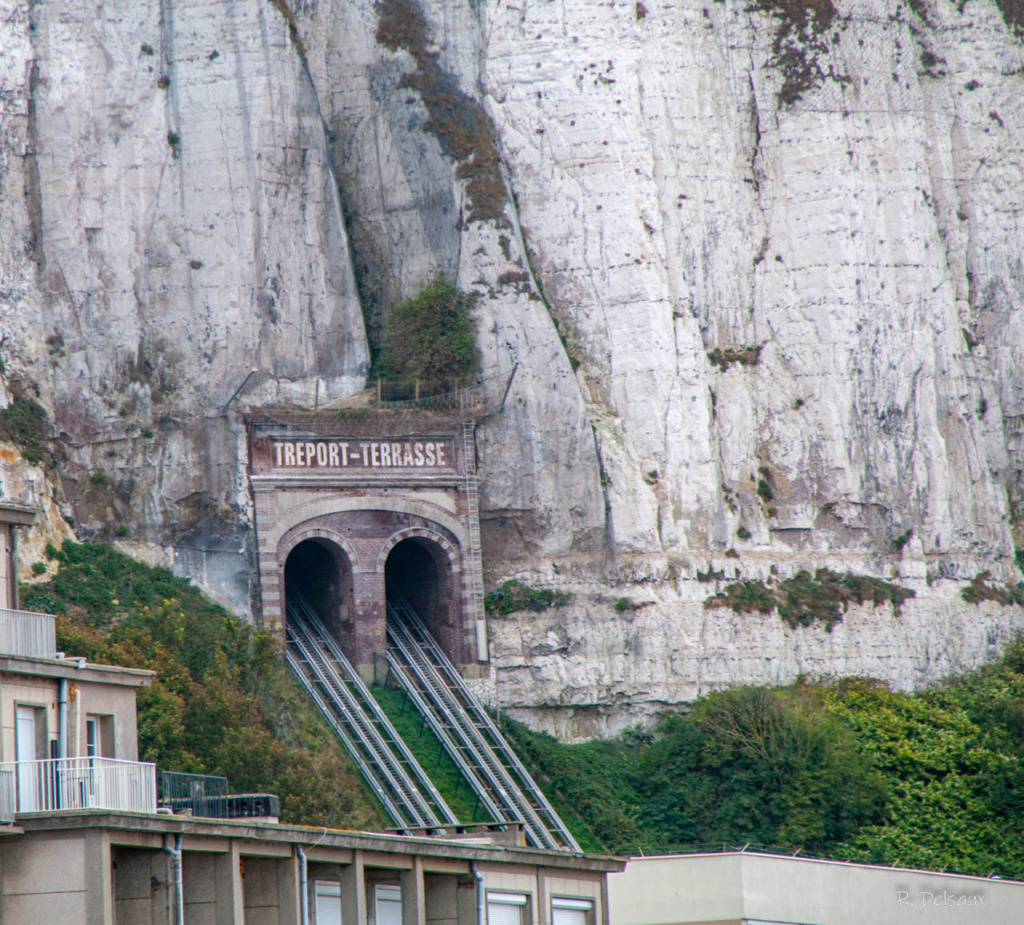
<point>99,737</point>
<point>387,905</point>
<point>506,908</point>
<point>566,911</point>
<point>326,902</point>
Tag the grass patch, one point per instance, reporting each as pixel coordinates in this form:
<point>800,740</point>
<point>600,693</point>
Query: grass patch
<point>981,589</point>
<point>805,599</point>
<point>741,356</point>
<point>222,702</point>
<point>514,595</point>
<point>429,752</point>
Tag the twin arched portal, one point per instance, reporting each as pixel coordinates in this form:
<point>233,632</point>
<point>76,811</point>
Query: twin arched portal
<point>423,567</point>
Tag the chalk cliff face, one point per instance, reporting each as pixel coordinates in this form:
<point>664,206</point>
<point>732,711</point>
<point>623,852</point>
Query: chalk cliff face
<point>759,270</point>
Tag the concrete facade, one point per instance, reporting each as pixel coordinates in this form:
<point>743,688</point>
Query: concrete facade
<point>741,888</point>
<point>12,516</point>
<point>358,486</point>
<point>102,692</point>
<point>90,868</point>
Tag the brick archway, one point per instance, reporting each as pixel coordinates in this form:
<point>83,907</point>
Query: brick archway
<point>426,567</point>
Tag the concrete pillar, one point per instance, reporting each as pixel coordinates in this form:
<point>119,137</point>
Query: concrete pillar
<point>228,879</point>
<point>414,895</point>
<point>99,879</point>
<point>288,887</point>
<point>353,891</point>
<point>368,622</point>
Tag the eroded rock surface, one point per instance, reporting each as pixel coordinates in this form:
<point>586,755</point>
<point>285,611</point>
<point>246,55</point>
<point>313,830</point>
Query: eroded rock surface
<point>760,280</point>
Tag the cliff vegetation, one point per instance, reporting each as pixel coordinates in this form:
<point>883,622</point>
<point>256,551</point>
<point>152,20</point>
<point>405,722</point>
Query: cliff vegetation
<point>843,769</point>
<point>222,702</point>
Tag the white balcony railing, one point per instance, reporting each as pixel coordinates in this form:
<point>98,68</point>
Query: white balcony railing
<point>58,784</point>
<point>32,635</point>
<point>8,796</point>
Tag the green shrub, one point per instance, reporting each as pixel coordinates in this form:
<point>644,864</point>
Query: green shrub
<point>514,595</point>
<point>805,599</point>
<point>25,422</point>
<point>222,702</point>
<point>433,336</point>
<point>38,568</point>
<point>980,589</point>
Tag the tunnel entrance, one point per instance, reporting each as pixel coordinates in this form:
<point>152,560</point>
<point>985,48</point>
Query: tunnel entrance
<point>318,572</point>
<point>421,571</point>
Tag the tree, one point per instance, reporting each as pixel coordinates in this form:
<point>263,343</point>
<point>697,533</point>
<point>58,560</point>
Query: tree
<point>433,336</point>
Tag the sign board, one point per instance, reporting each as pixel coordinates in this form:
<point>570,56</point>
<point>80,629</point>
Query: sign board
<point>363,454</point>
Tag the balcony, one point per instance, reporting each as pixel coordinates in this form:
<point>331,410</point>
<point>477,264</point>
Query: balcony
<point>29,635</point>
<point>64,784</point>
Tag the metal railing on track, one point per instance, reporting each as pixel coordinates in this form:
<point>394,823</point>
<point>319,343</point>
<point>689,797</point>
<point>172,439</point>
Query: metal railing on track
<point>387,764</point>
<point>466,730</point>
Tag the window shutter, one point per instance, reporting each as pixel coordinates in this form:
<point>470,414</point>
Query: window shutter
<point>570,911</point>
<point>505,908</point>
<point>388,905</point>
<point>326,902</point>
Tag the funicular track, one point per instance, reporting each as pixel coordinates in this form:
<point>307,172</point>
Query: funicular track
<point>502,784</point>
<point>385,761</point>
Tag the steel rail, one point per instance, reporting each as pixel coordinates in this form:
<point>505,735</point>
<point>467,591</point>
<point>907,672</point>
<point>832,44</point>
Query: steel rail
<point>384,770</point>
<point>376,715</point>
<point>482,719</point>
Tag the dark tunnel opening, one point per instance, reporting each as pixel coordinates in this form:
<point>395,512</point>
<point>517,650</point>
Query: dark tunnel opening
<point>319,572</point>
<point>420,570</point>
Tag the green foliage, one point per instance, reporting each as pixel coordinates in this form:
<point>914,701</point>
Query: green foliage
<point>222,702</point>
<point>38,568</point>
<point>847,769</point>
<point>900,541</point>
<point>1018,555</point>
<point>741,356</point>
<point>429,752</point>
<point>24,422</point>
<point>513,595</point>
<point>980,589</point>
<point>433,336</point>
<point>803,599</point>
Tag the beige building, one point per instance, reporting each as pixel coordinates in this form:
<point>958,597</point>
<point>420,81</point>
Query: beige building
<point>83,842</point>
<point>745,888</point>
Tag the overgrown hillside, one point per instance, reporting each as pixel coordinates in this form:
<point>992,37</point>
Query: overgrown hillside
<point>223,701</point>
<point>846,769</point>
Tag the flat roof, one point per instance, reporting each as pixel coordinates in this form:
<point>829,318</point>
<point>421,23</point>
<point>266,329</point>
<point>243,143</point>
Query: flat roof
<point>77,669</point>
<point>133,829</point>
